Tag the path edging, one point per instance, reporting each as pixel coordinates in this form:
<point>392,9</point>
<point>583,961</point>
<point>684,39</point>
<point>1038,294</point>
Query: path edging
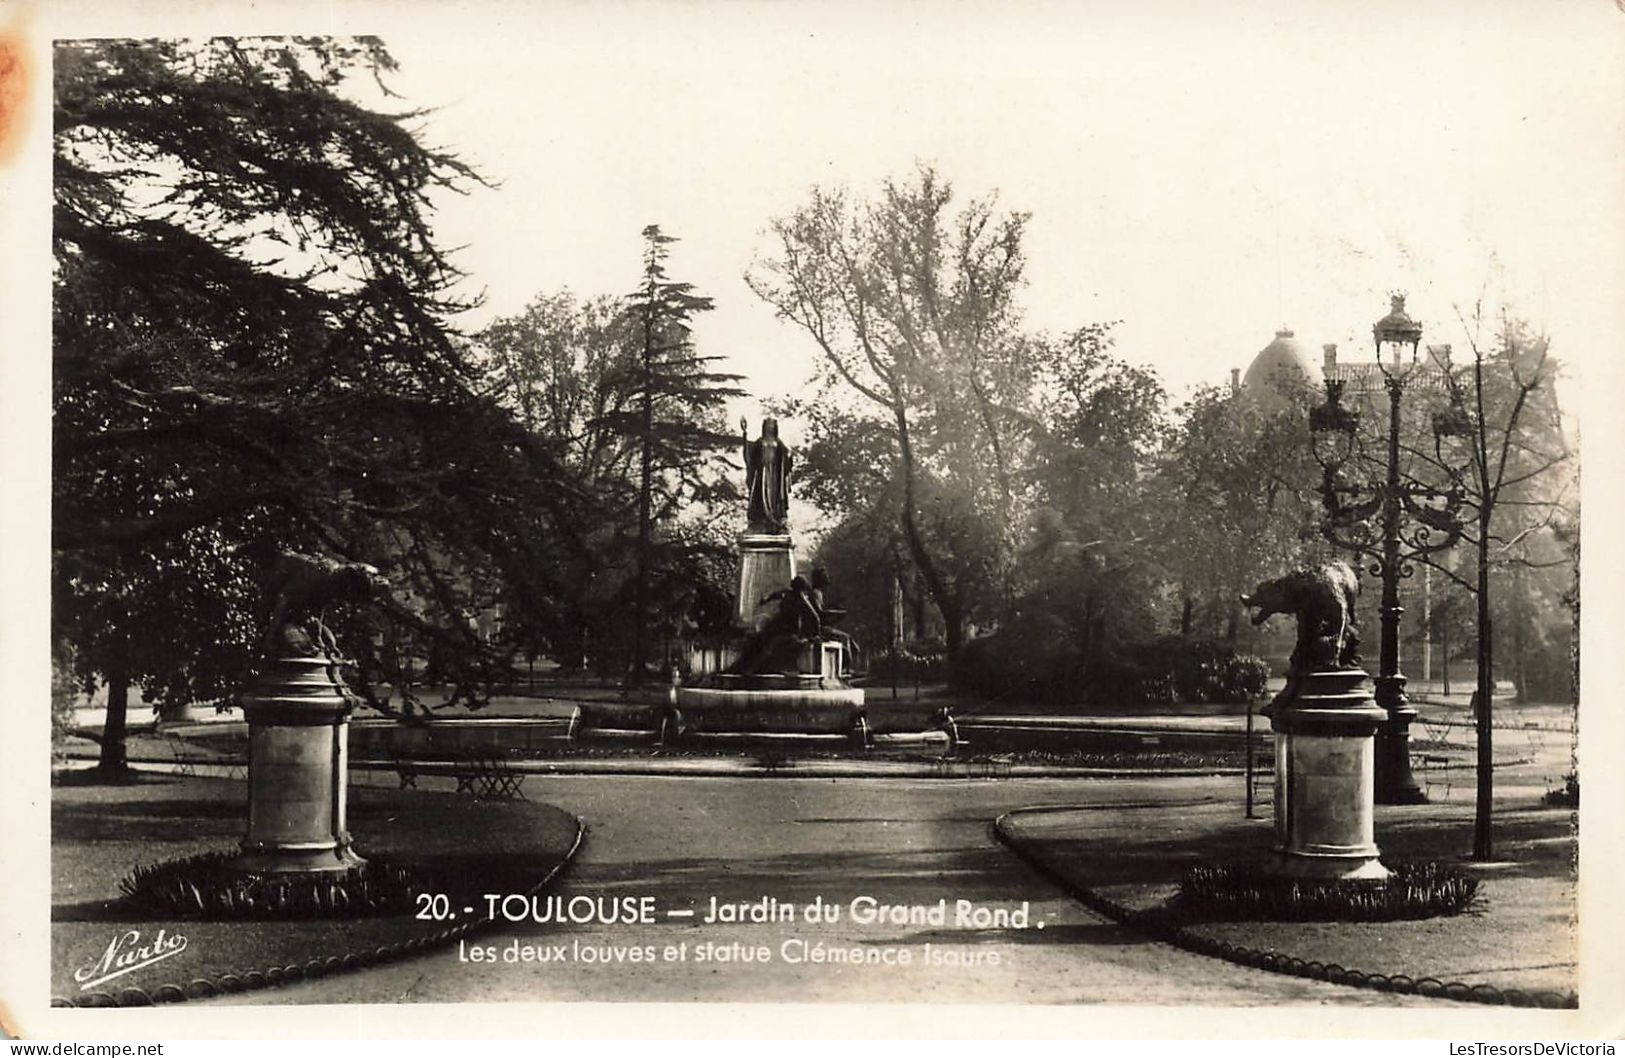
<point>314,967</point>
<point>1160,928</point>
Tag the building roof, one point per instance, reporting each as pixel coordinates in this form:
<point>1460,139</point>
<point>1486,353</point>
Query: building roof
<point>1366,376</point>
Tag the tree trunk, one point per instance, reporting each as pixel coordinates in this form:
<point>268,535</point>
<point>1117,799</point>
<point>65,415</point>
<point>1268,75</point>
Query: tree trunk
<point>951,611</point>
<point>1427,626</point>
<point>1444,654</point>
<point>645,497</point>
<point>1185,614</point>
<point>1482,844</point>
<point>953,633</point>
<point>1519,612</point>
<point>113,759</point>
<point>894,611</point>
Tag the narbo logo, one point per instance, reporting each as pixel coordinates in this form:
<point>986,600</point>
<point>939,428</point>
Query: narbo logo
<point>125,953</point>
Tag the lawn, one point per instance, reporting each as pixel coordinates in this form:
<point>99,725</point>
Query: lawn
<point>458,846</point>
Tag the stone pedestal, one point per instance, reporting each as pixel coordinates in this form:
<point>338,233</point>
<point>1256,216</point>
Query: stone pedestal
<point>1325,776</point>
<point>767,563</point>
<point>298,737</point>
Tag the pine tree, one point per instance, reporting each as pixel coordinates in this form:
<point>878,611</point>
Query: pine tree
<point>252,351</point>
<point>675,418</point>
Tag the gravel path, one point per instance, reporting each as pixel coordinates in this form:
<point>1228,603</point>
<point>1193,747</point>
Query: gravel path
<point>682,842</point>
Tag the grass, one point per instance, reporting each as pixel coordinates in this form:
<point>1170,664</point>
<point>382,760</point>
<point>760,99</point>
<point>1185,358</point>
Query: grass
<point>461,847</point>
<point>1520,931</point>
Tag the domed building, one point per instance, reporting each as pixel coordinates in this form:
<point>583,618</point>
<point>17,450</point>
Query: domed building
<point>1281,371</point>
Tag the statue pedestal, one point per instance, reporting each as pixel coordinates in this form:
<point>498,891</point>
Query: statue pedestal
<point>298,738</point>
<point>1324,724</point>
<point>767,563</point>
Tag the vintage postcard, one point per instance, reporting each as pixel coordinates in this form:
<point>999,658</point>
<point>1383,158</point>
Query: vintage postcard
<point>812,519</point>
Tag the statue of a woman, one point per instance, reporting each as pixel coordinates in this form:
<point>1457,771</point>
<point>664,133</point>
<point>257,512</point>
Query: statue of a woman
<point>767,478</point>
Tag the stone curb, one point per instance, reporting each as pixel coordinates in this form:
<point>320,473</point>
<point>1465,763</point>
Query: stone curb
<point>811,770</point>
<point>313,968</point>
<point>1160,928</point>
<point>713,769</point>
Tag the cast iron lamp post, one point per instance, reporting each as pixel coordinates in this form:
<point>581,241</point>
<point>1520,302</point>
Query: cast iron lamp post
<point>1392,522</point>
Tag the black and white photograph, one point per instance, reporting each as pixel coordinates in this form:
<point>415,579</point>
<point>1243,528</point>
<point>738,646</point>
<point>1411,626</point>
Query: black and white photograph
<point>812,519</point>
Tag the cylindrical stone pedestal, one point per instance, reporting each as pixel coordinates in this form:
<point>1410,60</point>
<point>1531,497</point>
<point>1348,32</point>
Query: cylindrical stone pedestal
<point>298,733</point>
<point>1324,776</point>
<point>767,563</point>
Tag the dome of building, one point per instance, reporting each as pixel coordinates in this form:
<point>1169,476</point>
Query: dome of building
<point>1281,367</point>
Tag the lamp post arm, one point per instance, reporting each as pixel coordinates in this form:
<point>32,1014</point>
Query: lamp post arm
<point>1421,541</point>
<point>1359,545</point>
<point>1343,512</point>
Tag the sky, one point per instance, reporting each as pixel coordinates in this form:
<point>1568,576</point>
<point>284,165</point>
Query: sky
<point>1205,174</point>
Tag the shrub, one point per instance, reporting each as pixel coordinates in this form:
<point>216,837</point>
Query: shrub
<point>1568,796</point>
<point>1039,659</point>
<point>206,886</point>
<point>64,696</point>
<point>1249,891</point>
<point>1033,658</point>
<point>1204,670</point>
<point>923,665</point>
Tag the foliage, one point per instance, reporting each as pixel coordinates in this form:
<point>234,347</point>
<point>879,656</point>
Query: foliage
<point>865,565</point>
<point>913,307</point>
<point>1248,891</point>
<point>1236,504</point>
<point>1086,561</point>
<point>1567,795</point>
<point>251,352</point>
<point>63,695</point>
<point>615,387</point>
<point>207,886</point>
<point>1037,658</point>
<point>1202,670</point>
<point>929,666</point>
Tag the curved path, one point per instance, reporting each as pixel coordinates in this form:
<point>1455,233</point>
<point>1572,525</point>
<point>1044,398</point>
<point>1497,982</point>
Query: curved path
<point>683,841</point>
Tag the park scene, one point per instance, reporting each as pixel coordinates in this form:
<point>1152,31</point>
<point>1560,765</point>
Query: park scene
<point>793,596</point>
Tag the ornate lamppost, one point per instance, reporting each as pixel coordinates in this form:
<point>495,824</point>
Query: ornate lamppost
<point>1391,522</point>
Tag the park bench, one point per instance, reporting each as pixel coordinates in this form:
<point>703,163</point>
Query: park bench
<point>486,776</point>
<point>182,754</point>
<point>996,766</point>
<point>1433,770</point>
<point>407,769</point>
<point>187,754</point>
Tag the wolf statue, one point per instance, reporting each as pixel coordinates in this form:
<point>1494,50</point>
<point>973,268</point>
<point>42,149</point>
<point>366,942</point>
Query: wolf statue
<point>1322,599</point>
<point>304,586</point>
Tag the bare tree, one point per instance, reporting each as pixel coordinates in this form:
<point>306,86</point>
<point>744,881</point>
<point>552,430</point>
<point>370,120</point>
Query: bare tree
<point>1505,427</point>
<point>913,308</point>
